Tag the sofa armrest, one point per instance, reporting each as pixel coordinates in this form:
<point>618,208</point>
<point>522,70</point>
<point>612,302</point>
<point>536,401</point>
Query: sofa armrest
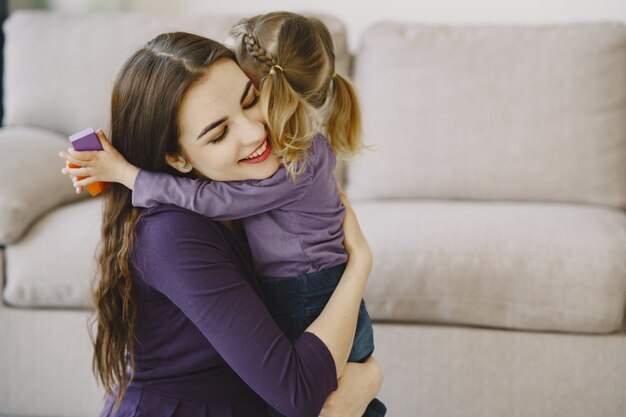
<point>31,182</point>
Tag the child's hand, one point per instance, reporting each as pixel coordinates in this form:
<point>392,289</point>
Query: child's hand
<point>107,165</point>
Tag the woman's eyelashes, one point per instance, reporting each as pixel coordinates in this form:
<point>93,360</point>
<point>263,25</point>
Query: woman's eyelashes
<point>220,137</point>
<point>252,103</point>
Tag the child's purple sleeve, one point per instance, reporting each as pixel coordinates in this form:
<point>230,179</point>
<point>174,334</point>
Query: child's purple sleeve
<point>220,200</point>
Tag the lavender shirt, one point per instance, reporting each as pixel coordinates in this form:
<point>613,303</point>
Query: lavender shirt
<point>292,228</point>
<point>205,343</point>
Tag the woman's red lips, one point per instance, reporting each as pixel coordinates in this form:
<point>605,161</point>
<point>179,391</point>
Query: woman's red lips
<point>259,158</point>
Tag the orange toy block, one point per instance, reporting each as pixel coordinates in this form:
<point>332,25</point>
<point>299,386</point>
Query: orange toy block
<point>93,189</point>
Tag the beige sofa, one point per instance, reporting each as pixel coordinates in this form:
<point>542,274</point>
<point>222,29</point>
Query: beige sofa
<point>493,197</point>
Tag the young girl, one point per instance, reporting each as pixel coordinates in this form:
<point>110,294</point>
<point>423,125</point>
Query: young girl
<point>292,219</point>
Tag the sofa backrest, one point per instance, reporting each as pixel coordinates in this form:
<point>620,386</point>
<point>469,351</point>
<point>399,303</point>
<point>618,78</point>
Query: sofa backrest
<point>535,113</point>
<point>60,68</point>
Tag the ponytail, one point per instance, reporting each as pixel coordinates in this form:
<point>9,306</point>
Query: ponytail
<point>291,119</point>
<point>343,122</point>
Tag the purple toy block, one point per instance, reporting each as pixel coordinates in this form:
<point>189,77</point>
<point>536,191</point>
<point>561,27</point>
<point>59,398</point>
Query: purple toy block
<point>86,140</point>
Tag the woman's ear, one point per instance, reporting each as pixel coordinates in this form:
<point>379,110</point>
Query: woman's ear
<point>178,163</point>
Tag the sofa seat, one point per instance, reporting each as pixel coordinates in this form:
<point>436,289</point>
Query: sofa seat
<point>526,266</point>
<point>460,371</point>
<point>505,265</point>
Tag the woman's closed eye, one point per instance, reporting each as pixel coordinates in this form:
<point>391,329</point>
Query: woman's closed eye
<point>253,101</point>
<point>221,136</point>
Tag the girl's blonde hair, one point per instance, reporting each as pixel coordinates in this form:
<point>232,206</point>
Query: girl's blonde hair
<point>291,59</point>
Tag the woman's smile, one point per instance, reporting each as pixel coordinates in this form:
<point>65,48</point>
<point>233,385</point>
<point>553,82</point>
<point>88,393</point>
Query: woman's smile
<point>260,154</point>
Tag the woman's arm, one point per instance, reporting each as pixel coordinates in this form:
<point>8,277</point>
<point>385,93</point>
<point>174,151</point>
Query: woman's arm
<point>357,387</point>
<point>336,325</point>
<point>183,256</point>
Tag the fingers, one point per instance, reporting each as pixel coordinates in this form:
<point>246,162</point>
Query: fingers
<point>79,184</point>
<point>70,159</point>
<point>85,182</point>
<point>77,172</point>
<point>104,141</point>
<point>83,155</point>
<point>78,189</point>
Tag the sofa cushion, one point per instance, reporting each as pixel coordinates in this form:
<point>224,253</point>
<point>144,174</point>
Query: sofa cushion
<point>54,265</point>
<point>65,86</point>
<point>31,182</point>
<point>532,113</point>
<point>517,266</point>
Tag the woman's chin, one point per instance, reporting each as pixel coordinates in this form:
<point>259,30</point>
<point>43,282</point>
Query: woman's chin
<point>268,167</point>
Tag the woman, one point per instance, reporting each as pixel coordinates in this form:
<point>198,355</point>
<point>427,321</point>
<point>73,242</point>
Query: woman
<point>177,290</point>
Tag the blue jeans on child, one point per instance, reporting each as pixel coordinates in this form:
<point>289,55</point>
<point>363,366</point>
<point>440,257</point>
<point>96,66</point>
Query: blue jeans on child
<point>296,302</point>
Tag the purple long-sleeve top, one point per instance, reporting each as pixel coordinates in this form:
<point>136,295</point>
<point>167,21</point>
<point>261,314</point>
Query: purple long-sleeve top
<point>205,344</point>
<point>292,228</point>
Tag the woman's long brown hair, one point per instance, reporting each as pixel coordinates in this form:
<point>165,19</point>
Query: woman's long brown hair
<point>144,106</point>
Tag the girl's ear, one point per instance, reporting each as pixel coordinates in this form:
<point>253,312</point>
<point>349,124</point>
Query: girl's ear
<point>178,163</point>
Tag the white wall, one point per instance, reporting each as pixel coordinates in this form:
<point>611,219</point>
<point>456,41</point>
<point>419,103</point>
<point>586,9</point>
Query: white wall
<point>360,14</point>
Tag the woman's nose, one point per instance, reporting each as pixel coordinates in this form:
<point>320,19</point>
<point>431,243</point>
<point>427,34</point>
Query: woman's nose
<point>253,131</point>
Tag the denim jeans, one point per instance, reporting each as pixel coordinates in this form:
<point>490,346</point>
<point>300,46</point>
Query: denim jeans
<point>296,302</point>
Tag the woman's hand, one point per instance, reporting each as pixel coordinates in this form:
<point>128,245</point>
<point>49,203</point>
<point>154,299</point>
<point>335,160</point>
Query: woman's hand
<point>357,387</point>
<point>354,240</point>
<point>107,165</point>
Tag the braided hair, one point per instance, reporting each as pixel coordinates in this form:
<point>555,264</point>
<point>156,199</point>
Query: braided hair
<point>254,48</point>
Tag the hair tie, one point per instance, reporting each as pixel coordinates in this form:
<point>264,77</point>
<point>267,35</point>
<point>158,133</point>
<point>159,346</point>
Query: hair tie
<point>334,74</point>
<point>272,71</point>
